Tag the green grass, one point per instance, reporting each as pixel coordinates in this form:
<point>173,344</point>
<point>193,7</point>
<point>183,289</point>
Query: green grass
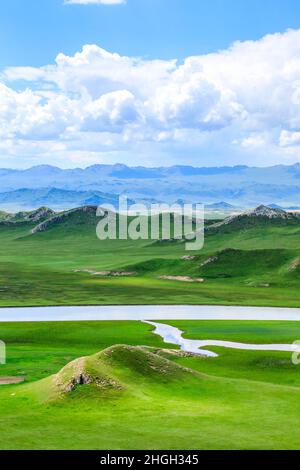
<point>240,331</point>
<point>255,266</point>
<point>37,350</point>
<point>240,400</point>
<point>274,367</point>
<point>210,414</point>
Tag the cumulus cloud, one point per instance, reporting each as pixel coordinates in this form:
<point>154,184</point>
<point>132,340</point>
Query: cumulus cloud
<point>246,97</point>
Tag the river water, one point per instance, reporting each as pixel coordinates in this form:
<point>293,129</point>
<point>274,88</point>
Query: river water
<point>147,312</point>
<point>173,335</point>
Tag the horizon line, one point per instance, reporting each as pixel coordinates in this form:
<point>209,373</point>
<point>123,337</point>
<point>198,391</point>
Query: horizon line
<point>147,167</point>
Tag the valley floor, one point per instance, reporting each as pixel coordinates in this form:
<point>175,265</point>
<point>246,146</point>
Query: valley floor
<point>239,400</point>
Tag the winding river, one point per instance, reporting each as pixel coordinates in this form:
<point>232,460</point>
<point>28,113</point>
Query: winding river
<point>150,313</point>
<point>173,335</point>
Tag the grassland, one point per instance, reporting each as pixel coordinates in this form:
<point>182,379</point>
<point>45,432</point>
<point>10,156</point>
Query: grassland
<point>37,350</point>
<point>257,265</point>
<point>240,400</point>
<point>273,367</point>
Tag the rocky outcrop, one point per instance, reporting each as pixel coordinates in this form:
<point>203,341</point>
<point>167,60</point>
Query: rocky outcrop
<point>78,372</point>
<point>210,260</point>
<point>269,212</point>
<point>188,258</point>
<point>261,212</point>
<point>106,273</point>
<point>37,215</point>
<point>64,216</point>
<point>181,279</point>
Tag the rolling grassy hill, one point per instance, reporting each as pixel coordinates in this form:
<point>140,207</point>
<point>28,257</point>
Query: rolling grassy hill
<point>252,260</point>
<point>117,370</point>
<point>126,395</point>
<point>113,385</point>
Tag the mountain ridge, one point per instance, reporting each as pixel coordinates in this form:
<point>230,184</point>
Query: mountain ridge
<point>56,198</point>
<point>261,214</point>
<point>240,186</point>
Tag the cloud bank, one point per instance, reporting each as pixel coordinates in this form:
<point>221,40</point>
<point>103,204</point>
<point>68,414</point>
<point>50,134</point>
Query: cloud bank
<point>242,101</point>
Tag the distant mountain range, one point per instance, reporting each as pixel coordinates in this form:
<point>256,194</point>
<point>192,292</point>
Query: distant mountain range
<point>238,186</point>
<point>58,199</point>
<point>220,206</point>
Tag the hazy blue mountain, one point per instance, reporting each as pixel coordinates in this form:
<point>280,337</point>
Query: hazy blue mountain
<point>240,186</point>
<point>220,206</point>
<point>276,206</point>
<point>55,198</point>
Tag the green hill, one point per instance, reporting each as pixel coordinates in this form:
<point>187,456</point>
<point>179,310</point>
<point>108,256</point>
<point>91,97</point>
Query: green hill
<point>227,263</point>
<point>249,259</point>
<point>119,368</point>
<point>26,217</point>
<point>262,216</point>
<point>69,220</point>
<point>124,397</point>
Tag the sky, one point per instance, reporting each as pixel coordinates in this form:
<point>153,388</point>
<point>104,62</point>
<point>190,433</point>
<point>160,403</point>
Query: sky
<point>149,82</point>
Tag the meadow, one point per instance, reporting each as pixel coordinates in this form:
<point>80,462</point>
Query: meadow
<point>239,400</point>
<point>257,265</point>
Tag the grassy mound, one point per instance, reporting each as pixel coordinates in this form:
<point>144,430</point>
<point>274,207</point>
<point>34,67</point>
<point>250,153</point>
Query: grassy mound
<point>115,369</point>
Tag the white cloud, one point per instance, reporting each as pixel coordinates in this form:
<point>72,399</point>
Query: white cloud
<point>289,139</point>
<point>97,2</point>
<point>111,111</point>
<point>245,98</point>
<point>253,141</point>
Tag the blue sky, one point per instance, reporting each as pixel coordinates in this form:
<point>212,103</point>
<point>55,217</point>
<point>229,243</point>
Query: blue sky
<point>149,82</point>
<point>34,32</point>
